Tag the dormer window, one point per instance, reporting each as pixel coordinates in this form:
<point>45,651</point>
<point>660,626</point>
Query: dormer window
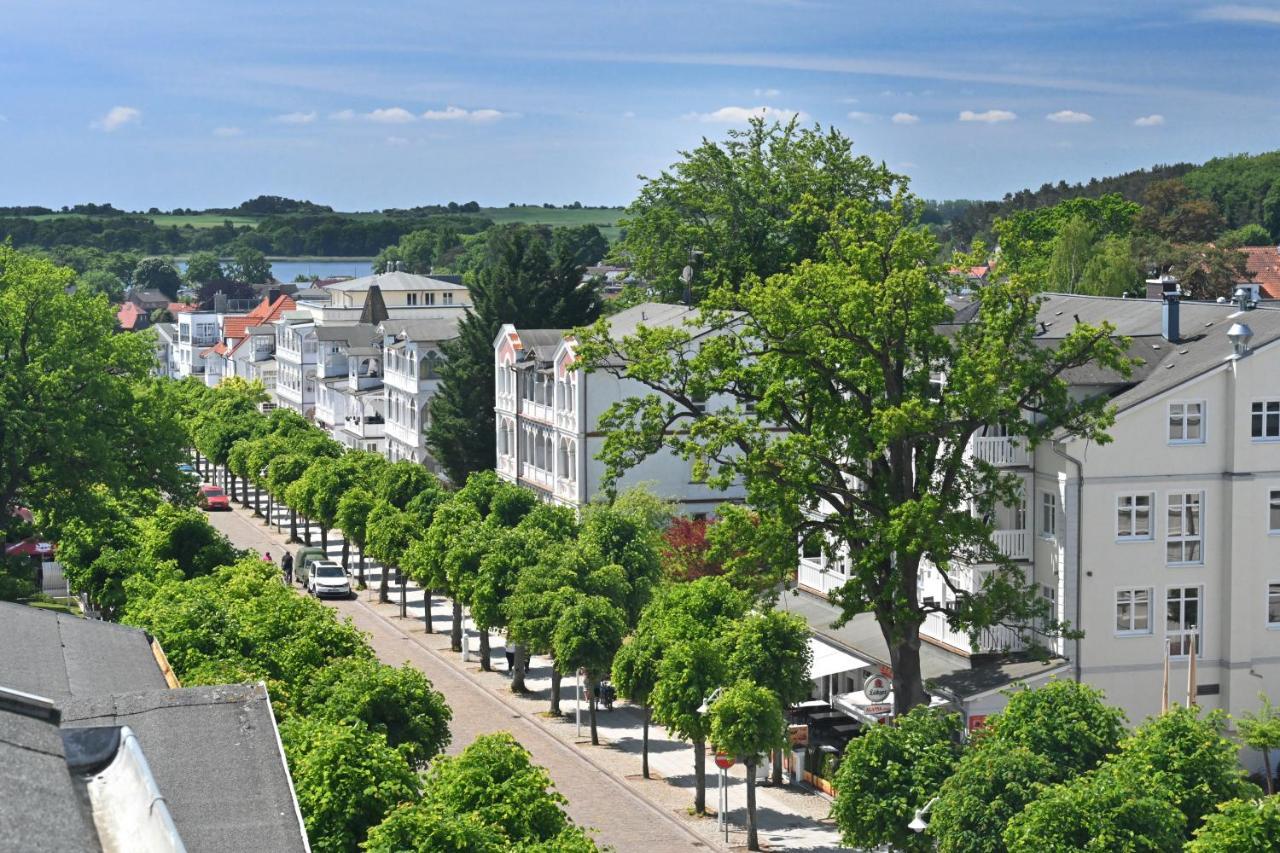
<point>411,299</point>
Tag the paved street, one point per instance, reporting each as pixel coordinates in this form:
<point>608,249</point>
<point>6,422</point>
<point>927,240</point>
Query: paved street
<point>603,784</point>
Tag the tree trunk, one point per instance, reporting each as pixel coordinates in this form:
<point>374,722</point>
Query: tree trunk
<point>244,490</point>
<point>426,611</point>
<point>306,530</point>
<point>904,654</point>
<point>485,665</point>
<point>555,689</point>
<point>518,671</point>
<point>271,510</point>
<point>383,598</point>
<point>1266,766</point>
<point>644,745</point>
<point>777,767</point>
<point>699,775</point>
<point>753,841</point>
<point>257,500</point>
<point>455,633</point>
<point>293,525</point>
<point>346,551</point>
<point>361,563</point>
<point>591,708</point>
<point>324,540</point>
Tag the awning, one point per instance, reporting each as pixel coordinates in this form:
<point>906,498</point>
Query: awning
<point>828,660</point>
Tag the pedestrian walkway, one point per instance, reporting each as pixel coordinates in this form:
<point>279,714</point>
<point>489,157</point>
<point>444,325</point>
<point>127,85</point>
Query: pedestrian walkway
<point>600,782</point>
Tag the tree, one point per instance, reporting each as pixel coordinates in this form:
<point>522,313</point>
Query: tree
<point>690,672</point>
<point>157,274</point>
<point>1112,270</point>
<point>1252,234</point>
<point>635,674</point>
<point>1260,730</point>
<point>402,481</point>
<point>101,282</point>
<point>526,275</point>
<point>992,783</point>
<point>249,265</point>
<point>283,472</point>
<point>746,721</point>
<point>588,636</point>
<point>415,828</point>
<point>867,431</point>
<point>751,206</point>
<point>346,778</point>
<point>1109,809</point>
<point>414,252</point>
<point>398,703</point>
<point>186,537</point>
<point>1239,825</point>
<point>543,592</point>
<point>352,519</point>
<point>1064,721</point>
<point>204,267</point>
<point>391,539</point>
<point>771,649</point>
<point>1072,250</point>
<point>1172,211</point>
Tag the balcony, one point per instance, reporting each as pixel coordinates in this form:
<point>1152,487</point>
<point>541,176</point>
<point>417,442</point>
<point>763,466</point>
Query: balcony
<point>366,429</point>
<point>1001,451</point>
<point>507,465</point>
<point>536,411</point>
<point>566,488</point>
<point>535,475</point>
<point>1014,544</point>
<point>813,575</point>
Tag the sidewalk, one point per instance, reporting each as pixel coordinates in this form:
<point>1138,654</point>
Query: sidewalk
<point>790,818</point>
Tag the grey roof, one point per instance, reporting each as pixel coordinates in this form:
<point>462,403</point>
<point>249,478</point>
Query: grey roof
<point>63,657</point>
<point>313,294</point>
<point>651,314</point>
<point>149,296</point>
<point>1203,346</point>
<point>958,675</point>
<point>216,757</point>
<point>390,282</point>
<point>166,330</point>
<point>345,332</point>
<point>423,330</point>
<point>42,807</point>
<point>539,345</point>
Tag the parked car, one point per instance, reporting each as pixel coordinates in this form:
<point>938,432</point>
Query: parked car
<point>328,579</point>
<point>303,559</point>
<point>213,498</point>
<point>186,469</point>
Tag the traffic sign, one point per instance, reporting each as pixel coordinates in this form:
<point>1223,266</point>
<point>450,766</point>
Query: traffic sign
<point>724,761</point>
<point>877,688</point>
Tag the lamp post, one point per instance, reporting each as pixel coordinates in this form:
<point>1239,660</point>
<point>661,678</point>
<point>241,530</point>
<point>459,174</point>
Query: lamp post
<point>918,823</point>
<point>722,788</point>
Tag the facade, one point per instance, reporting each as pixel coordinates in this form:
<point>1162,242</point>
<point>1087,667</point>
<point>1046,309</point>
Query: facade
<point>166,348</point>
<point>296,349</point>
<point>413,356</point>
<point>197,331</point>
<point>547,415</point>
<point>1165,538</point>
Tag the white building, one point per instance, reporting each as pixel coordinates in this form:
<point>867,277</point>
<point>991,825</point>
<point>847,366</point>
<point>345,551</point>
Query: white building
<point>1168,533</point>
<point>166,349</point>
<point>412,360</point>
<point>197,331</point>
<point>296,362</point>
<point>547,418</point>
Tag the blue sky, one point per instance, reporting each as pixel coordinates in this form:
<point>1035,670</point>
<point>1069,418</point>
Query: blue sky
<point>385,104</point>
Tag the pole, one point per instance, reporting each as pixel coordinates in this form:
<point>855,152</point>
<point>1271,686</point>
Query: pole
<point>720,800</point>
<point>466,639</point>
<point>724,776</point>
<point>577,702</point>
<point>403,605</point>
<point>1164,697</point>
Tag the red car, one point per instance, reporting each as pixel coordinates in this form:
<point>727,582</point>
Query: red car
<point>213,498</point>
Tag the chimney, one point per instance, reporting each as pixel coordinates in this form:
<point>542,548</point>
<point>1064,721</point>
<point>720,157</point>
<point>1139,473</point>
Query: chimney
<point>220,302</point>
<point>1169,319</point>
<point>272,295</point>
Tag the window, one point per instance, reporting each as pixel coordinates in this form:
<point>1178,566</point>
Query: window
<point>1185,538</point>
<point>1133,611</point>
<point>811,547</point>
<point>447,299</point>
<point>1133,516</point>
<point>428,299</point>
<point>1186,423</point>
<point>1273,511</point>
<point>1048,515</point>
<point>1182,620</point>
<point>1265,423</point>
<point>1273,605</point>
<point>411,299</point>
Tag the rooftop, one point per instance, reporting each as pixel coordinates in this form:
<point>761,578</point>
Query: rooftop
<point>423,330</point>
<point>1263,267</point>
<point>393,282</point>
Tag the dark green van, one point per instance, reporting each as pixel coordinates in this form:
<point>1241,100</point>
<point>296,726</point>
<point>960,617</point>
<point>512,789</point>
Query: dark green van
<point>302,560</point>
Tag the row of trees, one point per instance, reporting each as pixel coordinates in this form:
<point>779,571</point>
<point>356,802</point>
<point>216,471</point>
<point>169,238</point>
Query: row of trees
<point>1056,771</point>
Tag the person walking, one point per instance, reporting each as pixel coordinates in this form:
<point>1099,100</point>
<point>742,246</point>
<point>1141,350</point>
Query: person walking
<point>510,650</point>
<point>267,557</point>
<point>286,565</point>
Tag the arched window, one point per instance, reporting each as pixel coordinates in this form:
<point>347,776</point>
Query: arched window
<point>370,367</point>
<point>571,454</point>
<point>429,366</point>
<point>562,461</point>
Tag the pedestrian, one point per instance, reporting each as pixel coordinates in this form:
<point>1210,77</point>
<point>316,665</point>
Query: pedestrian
<point>267,557</point>
<point>286,565</point>
<point>510,650</point>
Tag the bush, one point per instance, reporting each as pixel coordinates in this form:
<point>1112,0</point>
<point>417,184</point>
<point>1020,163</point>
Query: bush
<point>1240,825</point>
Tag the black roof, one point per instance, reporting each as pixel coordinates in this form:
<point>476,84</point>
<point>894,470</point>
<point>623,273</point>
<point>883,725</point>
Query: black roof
<point>64,657</point>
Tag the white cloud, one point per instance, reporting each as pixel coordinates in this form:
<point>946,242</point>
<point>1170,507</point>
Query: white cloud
<point>391,115</point>
<point>858,115</point>
<point>629,114</point>
<point>452,113</point>
<point>296,118</point>
<point>905,118</point>
<point>988,117</point>
<point>1241,14</point>
<point>1069,117</point>
<point>227,131</point>
<point>739,115</point>
<point>397,140</point>
<point>116,118</point>
<point>1153,120</point>
<point>766,93</point>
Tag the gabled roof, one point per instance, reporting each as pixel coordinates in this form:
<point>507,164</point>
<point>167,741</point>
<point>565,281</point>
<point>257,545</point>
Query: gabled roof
<point>1263,267</point>
<point>236,327</point>
<point>63,657</point>
<point>131,316</point>
<point>181,308</point>
<point>423,330</point>
<point>391,282</point>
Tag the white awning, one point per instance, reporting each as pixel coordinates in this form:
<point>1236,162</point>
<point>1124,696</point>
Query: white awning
<point>828,660</point>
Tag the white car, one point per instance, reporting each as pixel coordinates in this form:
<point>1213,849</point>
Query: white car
<point>328,579</point>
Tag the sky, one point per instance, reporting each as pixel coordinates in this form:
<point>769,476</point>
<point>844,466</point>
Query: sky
<point>374,104</point>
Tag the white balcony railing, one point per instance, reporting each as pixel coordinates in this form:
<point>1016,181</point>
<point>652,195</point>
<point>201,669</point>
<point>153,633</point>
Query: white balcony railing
<point>507,465</point>
<point>566,488</point>
<point>814,576</point>
<point>535,475</point>
<point>1014,544</point>
<point>1001,451</point>
<point>536,411</point>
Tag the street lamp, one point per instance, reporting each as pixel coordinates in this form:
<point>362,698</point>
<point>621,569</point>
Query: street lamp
<point>706,703</point>
<point>918,823</point>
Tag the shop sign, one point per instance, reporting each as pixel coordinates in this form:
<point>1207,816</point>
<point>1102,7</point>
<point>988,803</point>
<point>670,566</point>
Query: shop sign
<point>798,735</point>
<point>877,709</point>
<point>877,688</point>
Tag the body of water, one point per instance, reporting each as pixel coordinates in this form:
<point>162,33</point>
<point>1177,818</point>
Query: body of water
<point>287,269</point>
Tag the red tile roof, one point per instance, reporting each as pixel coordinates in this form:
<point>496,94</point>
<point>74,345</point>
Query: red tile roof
<point>1263,267</point>
<point>237,327</point>
<point>129,316</point>
<point>181,308</point>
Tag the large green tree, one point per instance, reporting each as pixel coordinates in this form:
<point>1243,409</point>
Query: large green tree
<point>1260,730</point>
<point>157,274</point>
<point>826,406</point>
<point>529,276</point>
<point>746,722</point>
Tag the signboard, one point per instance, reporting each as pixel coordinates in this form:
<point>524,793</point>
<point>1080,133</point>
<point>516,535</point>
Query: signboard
<point>977,721</point>
<point>877,709</point>
<point>877,688</point>
<point>723,761</point>
<point>798,735</point>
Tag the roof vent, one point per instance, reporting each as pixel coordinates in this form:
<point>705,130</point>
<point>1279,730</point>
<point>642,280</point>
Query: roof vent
<point>1169,325</point>
<point>1244,297</point>
<point>1240,334</point>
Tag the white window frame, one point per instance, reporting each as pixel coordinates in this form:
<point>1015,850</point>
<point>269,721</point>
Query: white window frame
<point>1048,513</point>
<point>1273,591</point>
<point>1273,504</point>
<point>1265,403</point>
<point>411,299</point>
<point>1132,511</point>
<point>1183,539</point>
<point>1183,631</point>
<point>1179,412</point>
<point>1128,596</point>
